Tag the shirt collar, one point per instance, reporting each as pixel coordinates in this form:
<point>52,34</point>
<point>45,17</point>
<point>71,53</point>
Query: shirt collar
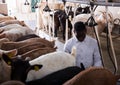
<point>76,40</point>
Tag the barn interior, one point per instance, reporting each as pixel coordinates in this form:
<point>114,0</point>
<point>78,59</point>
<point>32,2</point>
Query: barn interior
<point>39,16</point>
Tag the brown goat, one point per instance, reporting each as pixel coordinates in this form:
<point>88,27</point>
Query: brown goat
<point>15,45</point>
<point>26,48</point>
<point>94,76</point>
<point>38,52</point>
<point>5,18</point>
<point>13,82</point>
<point>3,40</point>
<point>7,22</point>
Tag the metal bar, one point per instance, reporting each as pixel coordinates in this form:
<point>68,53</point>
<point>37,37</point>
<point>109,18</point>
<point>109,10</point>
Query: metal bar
<point>101,3</point>
<point>111,42</point>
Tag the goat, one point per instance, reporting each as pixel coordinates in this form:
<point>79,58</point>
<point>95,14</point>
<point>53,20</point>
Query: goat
<point>15,45</point>
<point>5,18</point>
<point>99,18</point>
<point>37,52</point>
<point>18,67</point>
<point>62,60</point>
<point>27,37</point>
<point>14,31</point>
<point>60,20</point>
<point>58,77</point>
<point>12,22</point>
<point>3,40</point>
<point>4,68</point>
<point>12,82</point>
<point>26,48</point>
<point>94,76</point>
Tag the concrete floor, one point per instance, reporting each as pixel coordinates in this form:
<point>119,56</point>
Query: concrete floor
<point>106,58</point>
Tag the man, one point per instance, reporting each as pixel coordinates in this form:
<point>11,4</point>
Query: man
<point>87,51</point>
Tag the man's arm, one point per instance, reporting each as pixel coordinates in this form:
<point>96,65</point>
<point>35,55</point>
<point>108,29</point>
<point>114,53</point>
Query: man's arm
<point>67,48</point>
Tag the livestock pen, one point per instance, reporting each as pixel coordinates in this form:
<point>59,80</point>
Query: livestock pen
<point>108,56</point>
<point>59,43</point>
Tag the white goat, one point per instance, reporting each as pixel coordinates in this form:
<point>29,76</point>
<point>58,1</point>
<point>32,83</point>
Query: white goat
<point>14,31</point>
<point>100,18</point>
<point>51,62</point>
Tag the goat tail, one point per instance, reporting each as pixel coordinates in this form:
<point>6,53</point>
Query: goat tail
<point>73,52</point>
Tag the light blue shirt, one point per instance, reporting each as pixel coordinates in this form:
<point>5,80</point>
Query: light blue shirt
<point>87,51</point>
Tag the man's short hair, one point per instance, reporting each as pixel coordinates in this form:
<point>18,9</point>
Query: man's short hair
<point>79,26</point>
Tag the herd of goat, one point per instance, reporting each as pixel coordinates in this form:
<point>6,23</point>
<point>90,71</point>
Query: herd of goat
<point>81,14</point>
<point>28,59</point>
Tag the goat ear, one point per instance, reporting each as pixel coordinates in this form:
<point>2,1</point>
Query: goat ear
<point>55,47</point>
<point>82,66</point>
<point>6,59</point>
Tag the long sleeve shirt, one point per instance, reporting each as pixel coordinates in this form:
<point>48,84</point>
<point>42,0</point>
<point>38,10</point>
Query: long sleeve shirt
<point>87,51</point>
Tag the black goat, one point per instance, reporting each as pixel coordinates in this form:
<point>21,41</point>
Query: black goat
<point>58,77</point>
<point>81,10</point>
<point>60,21</point>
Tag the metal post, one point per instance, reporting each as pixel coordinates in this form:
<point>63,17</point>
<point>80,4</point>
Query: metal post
<point>110,37</point>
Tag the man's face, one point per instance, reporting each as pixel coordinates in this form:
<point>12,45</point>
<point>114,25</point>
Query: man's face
<point>80,35</point>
